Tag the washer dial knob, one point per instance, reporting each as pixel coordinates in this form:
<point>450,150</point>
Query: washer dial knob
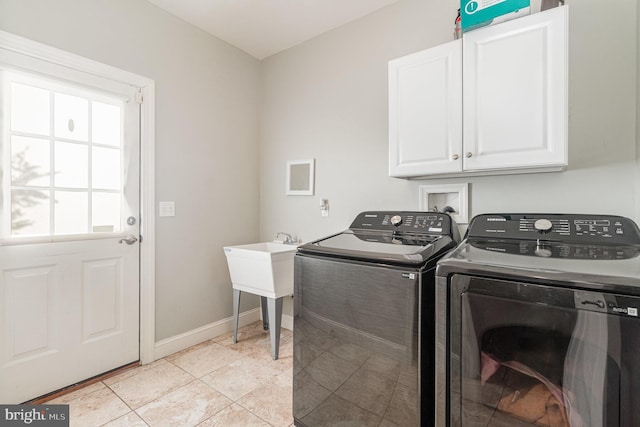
<point>543,251</point>
<point>542,226</point>
<point>396,220</point>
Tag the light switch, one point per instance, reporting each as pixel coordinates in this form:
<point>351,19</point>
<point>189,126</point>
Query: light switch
<point>167,209</point>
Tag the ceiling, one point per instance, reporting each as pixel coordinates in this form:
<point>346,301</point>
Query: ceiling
<point>265,27</point>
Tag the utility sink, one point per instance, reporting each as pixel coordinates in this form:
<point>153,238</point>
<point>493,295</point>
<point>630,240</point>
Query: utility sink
<point>264,269</point>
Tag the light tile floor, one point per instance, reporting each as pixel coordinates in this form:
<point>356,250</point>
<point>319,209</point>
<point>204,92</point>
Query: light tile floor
<point>215,383</point>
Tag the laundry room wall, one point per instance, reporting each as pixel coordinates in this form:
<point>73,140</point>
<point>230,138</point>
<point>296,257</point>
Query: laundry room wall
<point>324,99</point>
<point>206,138</point>
<point>327,99</point>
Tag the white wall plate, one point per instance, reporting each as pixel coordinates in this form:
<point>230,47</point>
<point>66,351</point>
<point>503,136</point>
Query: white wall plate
<point>437,197</point>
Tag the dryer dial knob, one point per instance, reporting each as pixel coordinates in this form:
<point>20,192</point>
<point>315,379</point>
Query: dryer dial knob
<point>542,226</point>
<point>396,220</point>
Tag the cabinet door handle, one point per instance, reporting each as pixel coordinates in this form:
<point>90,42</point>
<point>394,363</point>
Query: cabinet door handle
<point>455,157</point>
<point>468,154</point>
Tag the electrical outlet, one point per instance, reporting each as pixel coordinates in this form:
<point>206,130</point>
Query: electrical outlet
<point>324,207</point>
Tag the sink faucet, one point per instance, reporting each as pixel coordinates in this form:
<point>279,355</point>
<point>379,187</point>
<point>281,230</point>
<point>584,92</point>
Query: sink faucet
<point>288,239</point>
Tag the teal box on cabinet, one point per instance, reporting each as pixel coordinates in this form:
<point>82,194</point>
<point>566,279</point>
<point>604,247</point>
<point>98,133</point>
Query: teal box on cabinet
<point>480,13</point>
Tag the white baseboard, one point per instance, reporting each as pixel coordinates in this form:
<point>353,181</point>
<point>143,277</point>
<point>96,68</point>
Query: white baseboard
<point>190,338</point>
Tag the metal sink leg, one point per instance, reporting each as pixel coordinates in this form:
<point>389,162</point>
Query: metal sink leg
<point>271,319</point>
<point>236,313</point>
<point>275,318</point>
<point>265,311</point>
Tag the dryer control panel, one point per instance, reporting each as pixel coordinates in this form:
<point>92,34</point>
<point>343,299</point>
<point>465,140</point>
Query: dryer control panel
<point>595,229</point>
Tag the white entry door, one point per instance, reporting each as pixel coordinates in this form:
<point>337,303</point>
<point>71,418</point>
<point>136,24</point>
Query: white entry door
<point>69,250</point>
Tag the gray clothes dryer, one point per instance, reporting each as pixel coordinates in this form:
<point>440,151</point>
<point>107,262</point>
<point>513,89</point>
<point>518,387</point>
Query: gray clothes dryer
<point>538,323</point>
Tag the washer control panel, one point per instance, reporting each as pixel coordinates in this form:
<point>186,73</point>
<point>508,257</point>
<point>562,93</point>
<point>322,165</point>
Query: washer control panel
<point>556,227</point>
<point>404,222</point>
<point>557,249</point>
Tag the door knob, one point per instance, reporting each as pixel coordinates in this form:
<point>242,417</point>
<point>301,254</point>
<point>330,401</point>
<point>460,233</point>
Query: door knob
<point>454,157</point>
<point>469,154</point>
<point>129,240</point>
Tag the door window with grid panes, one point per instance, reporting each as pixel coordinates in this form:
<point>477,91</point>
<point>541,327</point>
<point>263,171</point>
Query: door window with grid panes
<point>62,159</point>
<point>70,252</point>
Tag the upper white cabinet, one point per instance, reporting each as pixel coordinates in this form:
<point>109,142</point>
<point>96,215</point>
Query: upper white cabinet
<point>513,93</point>
<point>425,111</point>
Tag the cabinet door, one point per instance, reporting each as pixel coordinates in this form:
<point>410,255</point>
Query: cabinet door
<point>425,112</point>
<point>515,93</point>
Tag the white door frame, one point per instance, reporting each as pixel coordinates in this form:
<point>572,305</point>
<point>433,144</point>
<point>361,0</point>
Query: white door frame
<point>13,43</point>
